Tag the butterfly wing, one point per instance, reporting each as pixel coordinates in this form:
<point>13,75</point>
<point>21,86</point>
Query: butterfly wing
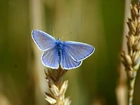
<point>67,62</point>
<point>43,40</point>
<point>50,58</point>
<point>78,51</point>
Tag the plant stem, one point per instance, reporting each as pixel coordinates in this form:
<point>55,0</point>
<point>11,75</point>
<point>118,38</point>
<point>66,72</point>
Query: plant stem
<point>131,91</point>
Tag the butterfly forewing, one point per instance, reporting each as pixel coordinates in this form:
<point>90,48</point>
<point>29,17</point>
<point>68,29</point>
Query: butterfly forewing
<point>51,59</point>
<point>67,62</point>
<point>43,40</point>
<point>78,51</point>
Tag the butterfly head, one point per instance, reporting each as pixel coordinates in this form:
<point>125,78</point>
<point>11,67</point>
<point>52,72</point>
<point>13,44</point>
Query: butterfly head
<point>58,39</point>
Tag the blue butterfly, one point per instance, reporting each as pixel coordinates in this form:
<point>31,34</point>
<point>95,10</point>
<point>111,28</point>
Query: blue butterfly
<point>68,54</point>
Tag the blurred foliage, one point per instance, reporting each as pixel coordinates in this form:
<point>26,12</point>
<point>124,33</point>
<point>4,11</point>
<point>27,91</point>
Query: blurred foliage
<point>97,22</point>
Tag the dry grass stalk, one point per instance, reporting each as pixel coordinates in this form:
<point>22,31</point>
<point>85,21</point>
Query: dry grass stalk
<point>57,87</point>
<point>131,59</point>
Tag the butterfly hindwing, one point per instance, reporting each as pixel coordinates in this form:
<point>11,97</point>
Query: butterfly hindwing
<point>43,40</point>
<point>78,51</point>
<point>51,59</point>
<point>67,62</point>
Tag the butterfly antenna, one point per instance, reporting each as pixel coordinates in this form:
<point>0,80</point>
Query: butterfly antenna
<point>53,32</point>
<point>70,33</point>
<point>67,34</point>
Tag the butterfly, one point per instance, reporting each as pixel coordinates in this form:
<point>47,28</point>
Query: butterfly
<point>67,54</point>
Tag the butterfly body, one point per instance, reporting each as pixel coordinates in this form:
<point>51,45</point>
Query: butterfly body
<point>67,54</point>
<point>59,48</point>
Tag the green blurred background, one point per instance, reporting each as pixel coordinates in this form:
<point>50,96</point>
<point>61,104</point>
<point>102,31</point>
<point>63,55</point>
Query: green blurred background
<point>97,22</point>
